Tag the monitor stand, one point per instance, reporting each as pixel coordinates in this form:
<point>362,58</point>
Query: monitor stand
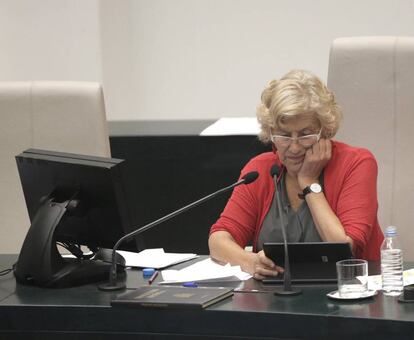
<point>41,264</point>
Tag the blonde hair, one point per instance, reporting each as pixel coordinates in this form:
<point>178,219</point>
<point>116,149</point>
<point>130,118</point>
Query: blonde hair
<point>296,94</point>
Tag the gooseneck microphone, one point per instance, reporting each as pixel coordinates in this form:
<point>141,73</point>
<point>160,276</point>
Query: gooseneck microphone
<point>113,284</point>
<point>287,281</point>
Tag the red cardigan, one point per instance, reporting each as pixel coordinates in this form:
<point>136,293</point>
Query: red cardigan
<point>350,187</point>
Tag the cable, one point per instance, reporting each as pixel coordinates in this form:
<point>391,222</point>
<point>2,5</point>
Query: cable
<point>76,250</point>
<point>7,271</point>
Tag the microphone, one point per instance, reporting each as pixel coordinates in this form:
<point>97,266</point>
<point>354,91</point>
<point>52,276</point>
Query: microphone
<point>287,283</point>
<point>113,284</point>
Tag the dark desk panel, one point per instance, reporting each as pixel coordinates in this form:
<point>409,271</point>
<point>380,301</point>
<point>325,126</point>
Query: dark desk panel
<point>167,172</point>
<point>85,313</point>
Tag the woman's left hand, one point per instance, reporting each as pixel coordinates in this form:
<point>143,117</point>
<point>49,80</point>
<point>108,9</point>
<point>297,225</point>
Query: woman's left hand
<point>316,158</point>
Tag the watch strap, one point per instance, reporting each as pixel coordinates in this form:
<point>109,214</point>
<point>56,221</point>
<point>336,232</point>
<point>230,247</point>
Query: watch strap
<point>307,190</point>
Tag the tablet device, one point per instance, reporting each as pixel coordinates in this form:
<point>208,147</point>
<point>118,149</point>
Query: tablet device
<point>310,262</point>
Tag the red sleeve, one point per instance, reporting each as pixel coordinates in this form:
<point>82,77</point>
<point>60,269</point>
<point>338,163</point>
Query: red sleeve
<point>241,212</point>
<point>357,202</point>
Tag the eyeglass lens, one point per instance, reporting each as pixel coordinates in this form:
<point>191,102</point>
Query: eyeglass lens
<point>303,140</point>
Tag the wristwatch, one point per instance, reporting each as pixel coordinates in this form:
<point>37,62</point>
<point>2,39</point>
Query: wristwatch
<point>313,188</point>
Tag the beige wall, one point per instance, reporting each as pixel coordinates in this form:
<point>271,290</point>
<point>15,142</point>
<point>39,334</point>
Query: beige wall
<point>50,40</point>
<point>183,59</point>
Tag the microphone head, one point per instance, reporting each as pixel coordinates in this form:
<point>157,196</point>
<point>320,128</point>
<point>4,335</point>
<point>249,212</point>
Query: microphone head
<point>275,171</point>
<point>250,177</point>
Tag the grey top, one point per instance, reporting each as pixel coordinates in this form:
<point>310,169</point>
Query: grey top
<point>299,225</point>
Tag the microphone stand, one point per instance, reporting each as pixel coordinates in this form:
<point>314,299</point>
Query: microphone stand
<point>287,281</point>
<point>113,285</point>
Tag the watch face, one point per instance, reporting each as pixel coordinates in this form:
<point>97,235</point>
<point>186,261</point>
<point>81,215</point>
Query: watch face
<point>316,188</point>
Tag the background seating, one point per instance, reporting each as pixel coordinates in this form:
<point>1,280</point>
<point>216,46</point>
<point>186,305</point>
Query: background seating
<point>373,79</point>
<point>59,116</point>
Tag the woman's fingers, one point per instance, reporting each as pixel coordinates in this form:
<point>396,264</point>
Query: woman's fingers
<point>261,272</point>
<point>264,260</point>
<point>315,160</point>
<point>265,267</point>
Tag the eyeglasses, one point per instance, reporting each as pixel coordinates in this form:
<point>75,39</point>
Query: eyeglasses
<point>306,141</point>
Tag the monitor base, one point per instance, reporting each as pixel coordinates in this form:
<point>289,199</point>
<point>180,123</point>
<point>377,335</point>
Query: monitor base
<point>74,272</point>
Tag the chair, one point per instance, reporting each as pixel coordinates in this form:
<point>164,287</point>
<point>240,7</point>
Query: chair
<point>59,116</point>
<point>373,79</point>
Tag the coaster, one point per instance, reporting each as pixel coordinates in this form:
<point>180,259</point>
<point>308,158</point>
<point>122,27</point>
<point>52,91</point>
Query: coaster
<point>335,295</point>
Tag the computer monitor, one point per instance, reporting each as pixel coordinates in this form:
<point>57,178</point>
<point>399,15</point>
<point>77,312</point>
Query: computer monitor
<point>72,200</point>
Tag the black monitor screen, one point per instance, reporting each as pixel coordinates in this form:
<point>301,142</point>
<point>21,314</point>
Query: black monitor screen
<point>95,185</point>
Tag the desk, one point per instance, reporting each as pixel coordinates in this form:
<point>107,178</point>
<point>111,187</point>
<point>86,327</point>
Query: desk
<point>85,312</point>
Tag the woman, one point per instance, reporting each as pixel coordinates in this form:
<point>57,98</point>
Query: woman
<point>328,189</point>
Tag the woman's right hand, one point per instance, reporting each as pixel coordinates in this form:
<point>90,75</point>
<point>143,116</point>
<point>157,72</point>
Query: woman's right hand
<point>261,266</point>
<point>224,249</point>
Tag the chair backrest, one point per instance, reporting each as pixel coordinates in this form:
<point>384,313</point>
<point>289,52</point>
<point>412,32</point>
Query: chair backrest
<point>373,79</point>
<point>58,116</point>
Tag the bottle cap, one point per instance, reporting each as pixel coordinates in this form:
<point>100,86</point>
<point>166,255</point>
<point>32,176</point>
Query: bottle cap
<point>391,231</point>
<point>147,272</point>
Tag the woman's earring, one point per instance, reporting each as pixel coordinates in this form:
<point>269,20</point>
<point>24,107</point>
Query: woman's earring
<point>274,148</point>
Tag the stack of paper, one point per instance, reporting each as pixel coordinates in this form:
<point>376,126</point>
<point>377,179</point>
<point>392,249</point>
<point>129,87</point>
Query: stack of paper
<point>206,270</point>
<point>154,258</point>
<point>375,281</point>
<point>232,126</point>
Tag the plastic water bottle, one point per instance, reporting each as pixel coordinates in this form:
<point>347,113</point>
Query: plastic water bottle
<point>391,264</point>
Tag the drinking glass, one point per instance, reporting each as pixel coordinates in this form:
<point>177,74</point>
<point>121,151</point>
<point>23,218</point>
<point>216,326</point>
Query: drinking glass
<point>352,278</point>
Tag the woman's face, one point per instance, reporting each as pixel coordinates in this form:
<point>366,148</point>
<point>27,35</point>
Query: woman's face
<point>292,152</point>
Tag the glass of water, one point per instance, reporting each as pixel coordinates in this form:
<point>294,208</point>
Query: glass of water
<point>352,278</point>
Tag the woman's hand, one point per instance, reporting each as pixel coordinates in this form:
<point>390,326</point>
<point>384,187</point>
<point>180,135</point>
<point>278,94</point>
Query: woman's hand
<point>316,158</point>
<point>224,249</point>
<point>262,266</point>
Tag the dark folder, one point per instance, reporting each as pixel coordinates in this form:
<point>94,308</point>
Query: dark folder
<point>172,297</point>
<point>310,262</point>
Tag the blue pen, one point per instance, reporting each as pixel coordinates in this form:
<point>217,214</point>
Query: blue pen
<point>190,284</point>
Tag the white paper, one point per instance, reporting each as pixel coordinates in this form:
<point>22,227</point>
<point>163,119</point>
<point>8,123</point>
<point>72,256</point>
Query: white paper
<point>206,270</point>
<point>154,258</point>
<point>375,281</point>
<point>233,126</point>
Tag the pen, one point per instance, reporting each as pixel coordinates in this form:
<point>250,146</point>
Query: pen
<point>246,290</point>
<point>153,277</point>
